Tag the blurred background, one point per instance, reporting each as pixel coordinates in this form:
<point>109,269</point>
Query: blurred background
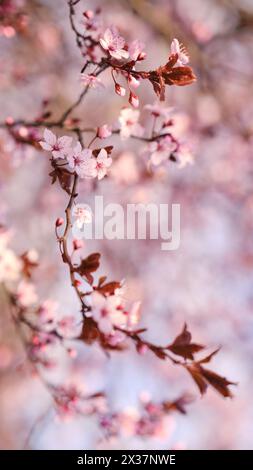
<point>207,282</point>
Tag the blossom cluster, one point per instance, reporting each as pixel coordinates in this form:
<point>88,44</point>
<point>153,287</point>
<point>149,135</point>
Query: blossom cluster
<point>81,160</point>
<point>108,48</point>
<point>110,312</point>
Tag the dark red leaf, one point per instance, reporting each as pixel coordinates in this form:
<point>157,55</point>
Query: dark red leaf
<point>204,377</point>
<point>217,381</point>
<point>182,345</point>
<point>90,331</point>
<point>178,405</point>
<point>208,358</point>
<point>198,378</point>
<point>101,280</point>
<point>179,76</point>
<point>88,266</point>
<point>171,62</point>
<point>109,288</point>
<point>63,176</point>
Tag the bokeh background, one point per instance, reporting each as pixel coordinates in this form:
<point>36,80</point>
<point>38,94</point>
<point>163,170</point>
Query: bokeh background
<point>207,282</point>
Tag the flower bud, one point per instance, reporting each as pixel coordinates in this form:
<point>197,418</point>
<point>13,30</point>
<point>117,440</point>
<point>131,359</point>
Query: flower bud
<point>89,14</point>
<point>133,100</point>
<point>120,90</point>
<point>9,121</point>
<point>77,244</point>
<point>142,56</point>
<point>142,348</point>
<point>134,82</point>
<point>104,131</point>
<point>59,222</point>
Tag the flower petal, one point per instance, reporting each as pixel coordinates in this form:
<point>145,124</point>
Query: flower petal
<point>45,145</point>
<point>65,141</point>
<point>49,137</point>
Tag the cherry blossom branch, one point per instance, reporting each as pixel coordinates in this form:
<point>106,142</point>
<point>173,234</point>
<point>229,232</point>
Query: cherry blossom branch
<point>63,241</point>
<point>97,323</point>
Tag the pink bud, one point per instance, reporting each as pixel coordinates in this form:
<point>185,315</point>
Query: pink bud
<point>133,100</point>
<point>134,82</point>
<point>72,352</point>
<point>168,123</point>
<point>9,121</point>
<point>88,14</point>
<point>77,244</point>
<point>120,90</point>
<point>104,131</point>
<point>142,348</point>
<point>142,56</point>
<point>59,222</point>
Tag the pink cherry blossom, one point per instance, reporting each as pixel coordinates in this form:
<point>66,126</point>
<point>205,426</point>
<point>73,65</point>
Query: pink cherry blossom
<point>83,215</point>
<point>32,256</point>
<point>81,161</point>
<point>107,312</point>
<point>92,23</point>
<point>10,266</point>
<point>47,311</point>
<point>114,43</point>
<point>134,314</point>
<point>26,294</point>
<point>184,156</point>
<point>59,146</point>
<point>68,326</point>
<point>160,150</point>
<point>103,132</point>
<point>135,50</point>
<point>129,124</point>
<point>158,111</point>
<point>68,399</point>
<point>177,48</point>
<point>103,162</point>
<point>91,80</point>
<point>101,313</point>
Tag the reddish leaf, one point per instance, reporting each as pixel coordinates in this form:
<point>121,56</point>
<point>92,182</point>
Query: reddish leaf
<point>208,358</point>
<point>203,377</point>
<point>217,381</point>
<point>179,76</point>
<point>109,288</point>
<point>178,405</point>
<point>182,345</point>
<point>88,266</point>
<point>90,331</point>
<point>158,83</point>
<point>170,75</point>
<point>101,280</point>
<point>157,351</point>
<point>63,176</point>
<point>197,377</point>
<point>171,62</point>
